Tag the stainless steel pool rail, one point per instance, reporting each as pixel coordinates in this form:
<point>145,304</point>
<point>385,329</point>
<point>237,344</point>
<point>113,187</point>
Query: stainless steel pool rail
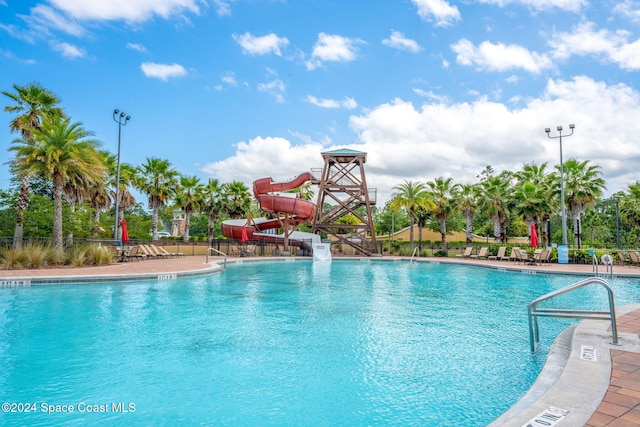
<point>221,255</point>
<point>535,312</point>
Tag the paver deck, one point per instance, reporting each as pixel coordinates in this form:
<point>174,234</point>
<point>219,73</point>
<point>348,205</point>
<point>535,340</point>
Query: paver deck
<point>619,407</point>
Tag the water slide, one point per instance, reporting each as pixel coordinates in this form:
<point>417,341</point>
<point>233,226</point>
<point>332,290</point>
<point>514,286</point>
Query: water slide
<point>272,198</point>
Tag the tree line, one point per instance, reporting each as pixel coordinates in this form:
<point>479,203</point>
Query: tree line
<point>60,172</point>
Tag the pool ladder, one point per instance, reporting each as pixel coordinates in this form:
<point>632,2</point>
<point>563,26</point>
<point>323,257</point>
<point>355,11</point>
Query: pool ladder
<point>535,312</point>
<point>220,255</point>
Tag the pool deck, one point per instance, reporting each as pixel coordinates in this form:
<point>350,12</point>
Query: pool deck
<point>594,393</point>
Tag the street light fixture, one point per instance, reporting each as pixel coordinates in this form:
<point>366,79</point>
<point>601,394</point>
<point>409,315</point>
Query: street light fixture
<point>121,118</point>
<point>564,213</point>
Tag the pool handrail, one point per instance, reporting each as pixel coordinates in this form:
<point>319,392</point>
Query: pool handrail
<point>414,254</point>
<point>221,255</point>
<point>534,312</point>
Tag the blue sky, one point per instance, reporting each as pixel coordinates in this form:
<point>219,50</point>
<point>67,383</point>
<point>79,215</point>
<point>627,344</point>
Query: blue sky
<point>246,89</point>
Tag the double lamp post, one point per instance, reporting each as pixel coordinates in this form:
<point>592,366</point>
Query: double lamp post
<point>121,118</point>
<point>564,212</point>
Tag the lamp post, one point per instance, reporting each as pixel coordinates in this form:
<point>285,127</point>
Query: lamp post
<point>617,221</point>
<point>121,118</point>
<point>564,213</point>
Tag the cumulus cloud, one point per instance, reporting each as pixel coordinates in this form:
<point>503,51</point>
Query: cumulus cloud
<point>438,11</point>
<point>347,103</point>
<point>262,45</point>
<point>630,9</point>
<point>163,72</point>
<point>499,57</point>
<point>458,140</point>
<point>585,39</point>
<point>397,40</point>
<point>330,47</point>
<point>68,50</point>
<point>133,11</point>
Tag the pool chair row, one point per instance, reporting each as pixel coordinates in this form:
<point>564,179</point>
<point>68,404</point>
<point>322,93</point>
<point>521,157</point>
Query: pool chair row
<point>539,256</point>
<point>629,258</point>
<point>139,252</point>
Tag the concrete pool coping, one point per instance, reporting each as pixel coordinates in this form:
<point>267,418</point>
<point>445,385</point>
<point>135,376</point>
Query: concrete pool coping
<point>567,381</point>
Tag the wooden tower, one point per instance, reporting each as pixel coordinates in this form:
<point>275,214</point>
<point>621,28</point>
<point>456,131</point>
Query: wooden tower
<point>343,191</point>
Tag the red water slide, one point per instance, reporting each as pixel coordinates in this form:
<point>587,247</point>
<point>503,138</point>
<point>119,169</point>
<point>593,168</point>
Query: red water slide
<point>272,198</point>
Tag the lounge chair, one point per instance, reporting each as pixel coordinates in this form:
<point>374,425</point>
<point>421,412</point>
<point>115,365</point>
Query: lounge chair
<point>135,254</point>
<point>147,251</point>
<point>515,254</point>
<point>467,252</point>
<point>500,254</point>
<point>633,256</point>
<point>542,257</point>
<point>622,258</point>
<point>482,254</point>
<point>163,251</point>
<point>156,250</point>
<point>248,250</point>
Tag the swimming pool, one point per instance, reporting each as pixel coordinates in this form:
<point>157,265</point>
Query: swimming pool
<point>281,343</point>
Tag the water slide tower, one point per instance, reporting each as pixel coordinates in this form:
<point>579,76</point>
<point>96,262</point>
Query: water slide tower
<point>343,191</point>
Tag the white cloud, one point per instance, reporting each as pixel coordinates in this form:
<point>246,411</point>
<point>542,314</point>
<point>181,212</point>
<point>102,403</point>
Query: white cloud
<point>273,86</point>
<point>397,40</point>
<point>568,5</point>
<point>137,46</point>
<point>458,140</point>
<point>262,45</point>
<point>629,9</point>
<point>335,48</point>
<point>584,39</point>
<point>347,103</point>
<point>44,17</point>
<point>223,8</point>
<point>68,50</point>
<point>133,11</point>
<point>499,57</point>
<point>439,11</point>
<point>163,71</point>
<point>230,79</point>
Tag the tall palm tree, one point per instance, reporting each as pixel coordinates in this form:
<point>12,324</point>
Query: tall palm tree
<point>128,179</point>
<point>158,180</point>
<point>531,201</point>
<point>212,204</point>
<point>443,192</point>
<point>59,151</point>
<point>583,185</point>
<point>467,203</point>
<point>495,197</point>
<point>237,199</point>
<point>410,196</point>
<point>32,104</point>
<point>99,199</point>
<point>189,197</point>
<point>630,205</point>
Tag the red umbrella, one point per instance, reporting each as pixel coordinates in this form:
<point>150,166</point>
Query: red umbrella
<point>125,232</point>
<point>244,237</point>
<point>534,236</point>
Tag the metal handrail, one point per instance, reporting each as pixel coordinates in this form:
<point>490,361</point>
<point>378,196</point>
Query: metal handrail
<point>594,262</point>
<point>414,254</point>
<point>222,255</point>
<point>534,312</point>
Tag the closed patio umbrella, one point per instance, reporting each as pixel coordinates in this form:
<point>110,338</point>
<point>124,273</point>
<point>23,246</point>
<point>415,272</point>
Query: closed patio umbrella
<point>244,236</point>
<point>125,232</point>
<point>534,236</point>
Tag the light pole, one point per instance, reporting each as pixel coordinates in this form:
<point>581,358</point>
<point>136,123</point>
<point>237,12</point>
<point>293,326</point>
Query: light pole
<point>617,221</point>
<point>564,213</point>
<point>121,118</point>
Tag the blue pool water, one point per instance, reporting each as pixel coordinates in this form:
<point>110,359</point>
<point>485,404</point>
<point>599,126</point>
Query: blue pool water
<point>281,343</point>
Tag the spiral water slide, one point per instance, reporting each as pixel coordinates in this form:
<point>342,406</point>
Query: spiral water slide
<point>272,198</point>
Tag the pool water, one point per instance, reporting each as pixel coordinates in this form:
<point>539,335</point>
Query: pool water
<point>281,343</point>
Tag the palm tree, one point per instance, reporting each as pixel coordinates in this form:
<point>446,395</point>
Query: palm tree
<point>212,204</point>
<point>583,185</point>
<point>32,104</point>
<point>237,199</point>
<point>495,196</point>
<point>467,203</point>
<point>630,205</point>
<point>99,199</point>
<point>158,180</point>
<point>189,197</point>
<point>444,193</point>
<point>128,178</point>
<point>59,151</point>
<point>411,196</point>
<point>531,201</point>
